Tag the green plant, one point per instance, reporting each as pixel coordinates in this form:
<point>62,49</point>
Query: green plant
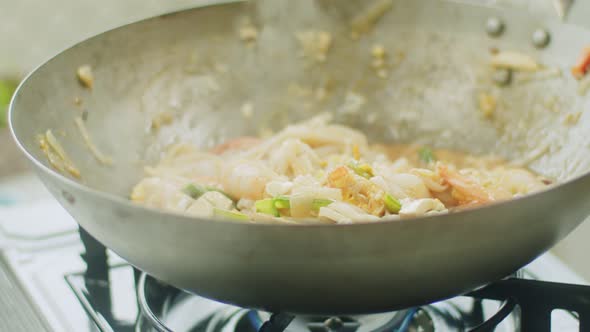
<point>7,88</point>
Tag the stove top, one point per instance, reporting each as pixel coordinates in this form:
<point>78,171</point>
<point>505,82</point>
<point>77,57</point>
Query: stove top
<point>46,285</point>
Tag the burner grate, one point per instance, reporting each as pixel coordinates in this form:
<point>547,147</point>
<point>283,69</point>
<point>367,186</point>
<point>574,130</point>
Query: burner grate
<point>279,322</point>
<point>151,302</point>
<point>532,300</point>
<point>537,300</point>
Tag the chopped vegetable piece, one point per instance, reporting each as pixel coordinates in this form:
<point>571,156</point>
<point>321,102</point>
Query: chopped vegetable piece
<point>315,44</point>
<point>379,63</point>
<point>272,205</point>
<point>195,191</point>
<point>422,206</point>
<point>378,51</point>
<point>229,214</point>
<point>162,119</point>
<point>267,206</point>
<point>282,202</point>
<point>487,104</point>
<point>248,33</point>
<point>572,118</point>
<point>247,110</point>
<point>426,155</point>
<point>514,61</point>
<point>391,204</point>
<point>581,67</point>
<point>85,76</point>
<point>279,180</point>
<point>363,170</point>
<point>366,20</point>
<point>356,153</point>
<point>584,86</point>
<point>320,203</point>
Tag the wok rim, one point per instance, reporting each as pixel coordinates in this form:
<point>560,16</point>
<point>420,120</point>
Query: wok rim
<point>127,203</point>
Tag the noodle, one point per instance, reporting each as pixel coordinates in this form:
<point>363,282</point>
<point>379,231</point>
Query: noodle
<point>321,172</point>
<point>90,144</point>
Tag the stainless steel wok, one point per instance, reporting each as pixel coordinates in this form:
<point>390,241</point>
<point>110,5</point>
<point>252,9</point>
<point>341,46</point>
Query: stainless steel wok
<point>193,64</point>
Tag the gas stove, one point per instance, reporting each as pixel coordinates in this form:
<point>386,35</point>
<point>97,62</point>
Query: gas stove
<point>56,277</point>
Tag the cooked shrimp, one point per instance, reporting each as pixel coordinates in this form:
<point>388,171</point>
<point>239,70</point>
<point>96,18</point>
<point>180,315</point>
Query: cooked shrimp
<point>464,190</point>
<point>187,161</point>
<point>244,142</point>
<point>517,181</point>
<point>207,169</point>
<point>246,178</point>
<point>431,179</point>
<point>316,171</point>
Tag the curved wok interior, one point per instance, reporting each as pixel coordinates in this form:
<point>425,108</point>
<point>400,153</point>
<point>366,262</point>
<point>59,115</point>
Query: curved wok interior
<point>199,70</point>
<point>194,66</point>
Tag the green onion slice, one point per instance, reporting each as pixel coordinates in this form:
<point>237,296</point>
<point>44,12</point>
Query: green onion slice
<point>229,214</point>
<point>195,191</point>
<point>426,155</point>
<point>282,202</point>
<point>392,204</point>
<point>320,202</point>
<point>267,206</point>
<point>363,170</point>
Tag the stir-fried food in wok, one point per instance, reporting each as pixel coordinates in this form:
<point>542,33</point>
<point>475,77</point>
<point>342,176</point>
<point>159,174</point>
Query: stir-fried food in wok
<point>317,171</point>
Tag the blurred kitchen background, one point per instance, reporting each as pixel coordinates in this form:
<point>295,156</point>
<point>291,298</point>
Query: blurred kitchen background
<point>31,31</point>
